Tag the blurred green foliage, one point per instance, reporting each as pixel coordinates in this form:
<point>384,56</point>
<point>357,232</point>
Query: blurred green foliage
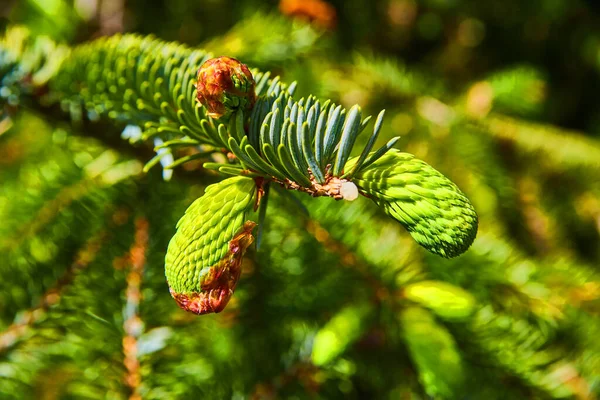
<point>340,302</point>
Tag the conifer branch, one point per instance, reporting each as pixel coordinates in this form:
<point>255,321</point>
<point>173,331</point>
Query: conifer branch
<point>83,258</point>
<point>93,179</point>
<point>495,320</point>
<point>180,97</point>
<point>563,148</point>
<point>347,257</point>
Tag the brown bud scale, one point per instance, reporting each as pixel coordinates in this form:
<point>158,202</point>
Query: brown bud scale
<point>223,85</point>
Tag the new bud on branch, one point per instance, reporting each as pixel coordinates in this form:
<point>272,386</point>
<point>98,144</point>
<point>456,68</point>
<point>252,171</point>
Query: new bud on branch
<point>224,86</point>
<point>432,208</point>
<point>204,258</point>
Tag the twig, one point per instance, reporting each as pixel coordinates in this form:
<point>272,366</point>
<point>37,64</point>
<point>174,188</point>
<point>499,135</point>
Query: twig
<point>133,324</point>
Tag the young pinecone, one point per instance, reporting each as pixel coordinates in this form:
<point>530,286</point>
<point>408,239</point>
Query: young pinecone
<point>432,208</point>
<point>224,86</point>
<point>204,258</point>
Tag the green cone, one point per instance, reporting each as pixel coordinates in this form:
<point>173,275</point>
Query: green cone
<point>203,261</point>
<point>432,208</point>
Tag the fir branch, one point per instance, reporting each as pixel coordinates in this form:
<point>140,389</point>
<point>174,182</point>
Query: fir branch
<point>563,148</point>
<point>28,318</point>
<point>151,83</point>
<point>92,179</point>
<point>103,131</point>
<point>347,257</point>
<point>534,330</point>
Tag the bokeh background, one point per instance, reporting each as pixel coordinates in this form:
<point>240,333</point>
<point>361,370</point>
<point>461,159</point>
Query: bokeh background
<point>339,302</point>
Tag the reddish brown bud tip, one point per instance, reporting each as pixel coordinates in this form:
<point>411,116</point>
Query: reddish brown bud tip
<point>225,85</point>
<point>218,288</point>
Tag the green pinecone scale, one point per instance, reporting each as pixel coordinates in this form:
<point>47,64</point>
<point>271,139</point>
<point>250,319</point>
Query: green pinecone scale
<point>432,208</point>
<point>203,260</point>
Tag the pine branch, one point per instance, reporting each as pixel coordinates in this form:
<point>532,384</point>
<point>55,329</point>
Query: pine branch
<point>345,287</point>
<point>564,148</point>
<point>93,179</point>
<point>181,98</point>
<point>52,296</point>
<point>347,257</point>
<point>104,131</point>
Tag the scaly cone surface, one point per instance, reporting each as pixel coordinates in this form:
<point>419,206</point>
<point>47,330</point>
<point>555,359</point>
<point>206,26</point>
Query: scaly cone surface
<point>432,208</point>
<point>203,261</point>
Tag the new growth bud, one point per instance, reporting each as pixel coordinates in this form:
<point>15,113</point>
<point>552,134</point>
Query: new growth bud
<point>435,212</point>
<point>224,86</point>
<point>204,258</point>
